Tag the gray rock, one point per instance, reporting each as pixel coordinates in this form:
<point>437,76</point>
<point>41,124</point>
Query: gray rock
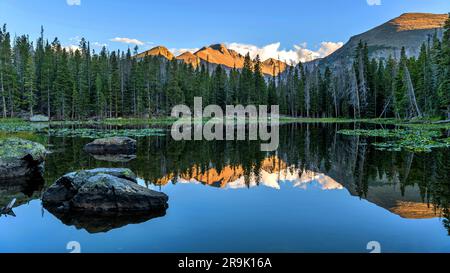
<point>19,157</point>
<point>39,118</point>
<point>112,146</point>
<point>102,190</point>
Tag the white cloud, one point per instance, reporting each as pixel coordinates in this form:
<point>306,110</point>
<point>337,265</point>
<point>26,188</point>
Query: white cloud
<point>300,53</point>
<point>98,44</point>
<point>179,51</point>
<point>326,48</point>
<point>127,41</point>
<point>73,2</point>
<point>71,47</point>
<point>76,39</point>
<point>374,2</point>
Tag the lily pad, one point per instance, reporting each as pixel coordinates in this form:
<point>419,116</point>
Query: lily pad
<point>409,139</point>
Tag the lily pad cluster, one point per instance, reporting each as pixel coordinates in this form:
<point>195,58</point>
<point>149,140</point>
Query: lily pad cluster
<point>102,133</point>
<point>409,139</point>
<point>15,127</point>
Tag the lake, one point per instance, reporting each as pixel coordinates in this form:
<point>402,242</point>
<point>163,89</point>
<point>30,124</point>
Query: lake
<point>319,192</point>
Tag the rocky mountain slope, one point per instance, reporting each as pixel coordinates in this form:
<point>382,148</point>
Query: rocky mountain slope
<point>410,30</point>
<point>189,58</point>
<point>217,54</point>
<point>157,51</point>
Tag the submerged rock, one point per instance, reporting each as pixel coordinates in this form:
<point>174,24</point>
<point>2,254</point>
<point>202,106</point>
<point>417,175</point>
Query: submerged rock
<point>115,158</point>
<point>19,157</point>
<point>102,190</point>
<point>112,146</point>
<point>39,118</point>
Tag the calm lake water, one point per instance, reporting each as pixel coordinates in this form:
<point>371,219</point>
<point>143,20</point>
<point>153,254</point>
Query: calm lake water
<point>319,192</point>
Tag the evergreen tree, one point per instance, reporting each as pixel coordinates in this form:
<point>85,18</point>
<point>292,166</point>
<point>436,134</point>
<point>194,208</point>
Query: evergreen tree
<point>246,83</point>
<point>174,92</point>
<point>219,88</point>
<point>63,86</point>
<point>233,87</point>
<point>300,89</point>
<point>6,71</point>
<point>259,93</point>
<point>272,93</point>
<point>400,97</point>
<point>29,83</point>
<point>444,86</point>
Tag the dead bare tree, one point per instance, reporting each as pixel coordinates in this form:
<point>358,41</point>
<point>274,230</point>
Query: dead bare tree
<point>363,89</point>
<point>307,93</point>
<point>411,93</point>
<point>354,94</point>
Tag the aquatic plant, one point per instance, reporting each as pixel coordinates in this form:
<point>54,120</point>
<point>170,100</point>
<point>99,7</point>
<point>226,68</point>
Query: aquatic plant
<point>101,133</point>
<point>415,140</point>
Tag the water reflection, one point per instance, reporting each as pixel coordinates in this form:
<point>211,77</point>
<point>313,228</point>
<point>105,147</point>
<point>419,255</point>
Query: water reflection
<point>23,189</point>
<point>413,186</point>
<point>272,172</point>
<point>104,222</point>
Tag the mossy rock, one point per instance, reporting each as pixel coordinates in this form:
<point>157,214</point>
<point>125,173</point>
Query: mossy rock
<point>102,190</point>
<point>20,157</point>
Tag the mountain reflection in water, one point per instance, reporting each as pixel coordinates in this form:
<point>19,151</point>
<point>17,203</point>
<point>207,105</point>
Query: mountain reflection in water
<point>310,157</point>
<point>272,172</point>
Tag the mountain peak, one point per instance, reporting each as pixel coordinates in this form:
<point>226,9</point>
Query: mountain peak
<point>157,51</point>
<point>273,66</point>
<point>189,58</point>
<point>220,47</point>
<point>219,54</point>
<point>409,30</point>
<point>416,21</point>
<point>272,61</point>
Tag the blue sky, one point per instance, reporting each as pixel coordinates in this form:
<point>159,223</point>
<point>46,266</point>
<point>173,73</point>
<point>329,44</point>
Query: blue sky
<point>246,25</point>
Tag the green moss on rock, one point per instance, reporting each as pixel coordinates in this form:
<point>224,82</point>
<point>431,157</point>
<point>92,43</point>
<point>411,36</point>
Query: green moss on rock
<point>17,148</point>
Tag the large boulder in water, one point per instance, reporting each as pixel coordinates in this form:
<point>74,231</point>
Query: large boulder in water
<point>102,190</point>
<point>111,146</point>
<point>19,158</point>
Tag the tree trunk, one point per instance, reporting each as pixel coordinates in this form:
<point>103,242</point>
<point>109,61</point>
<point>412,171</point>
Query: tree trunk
<point>411,93</point>
<point>49,113</point>
<point>335,102</point>
<point>122,87</point>
<point>11,102</point>
<point>31,103</point>
<point>3,95</point>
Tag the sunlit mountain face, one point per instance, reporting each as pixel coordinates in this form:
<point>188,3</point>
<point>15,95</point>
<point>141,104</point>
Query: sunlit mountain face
<point>213,55</point>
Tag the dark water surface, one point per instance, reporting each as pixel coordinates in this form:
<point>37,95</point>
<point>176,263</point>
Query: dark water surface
<point>319,192</point>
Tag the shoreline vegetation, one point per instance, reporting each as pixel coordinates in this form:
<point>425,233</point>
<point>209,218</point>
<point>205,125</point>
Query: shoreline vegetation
<point>416,135</point>
<point>424,123</point>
